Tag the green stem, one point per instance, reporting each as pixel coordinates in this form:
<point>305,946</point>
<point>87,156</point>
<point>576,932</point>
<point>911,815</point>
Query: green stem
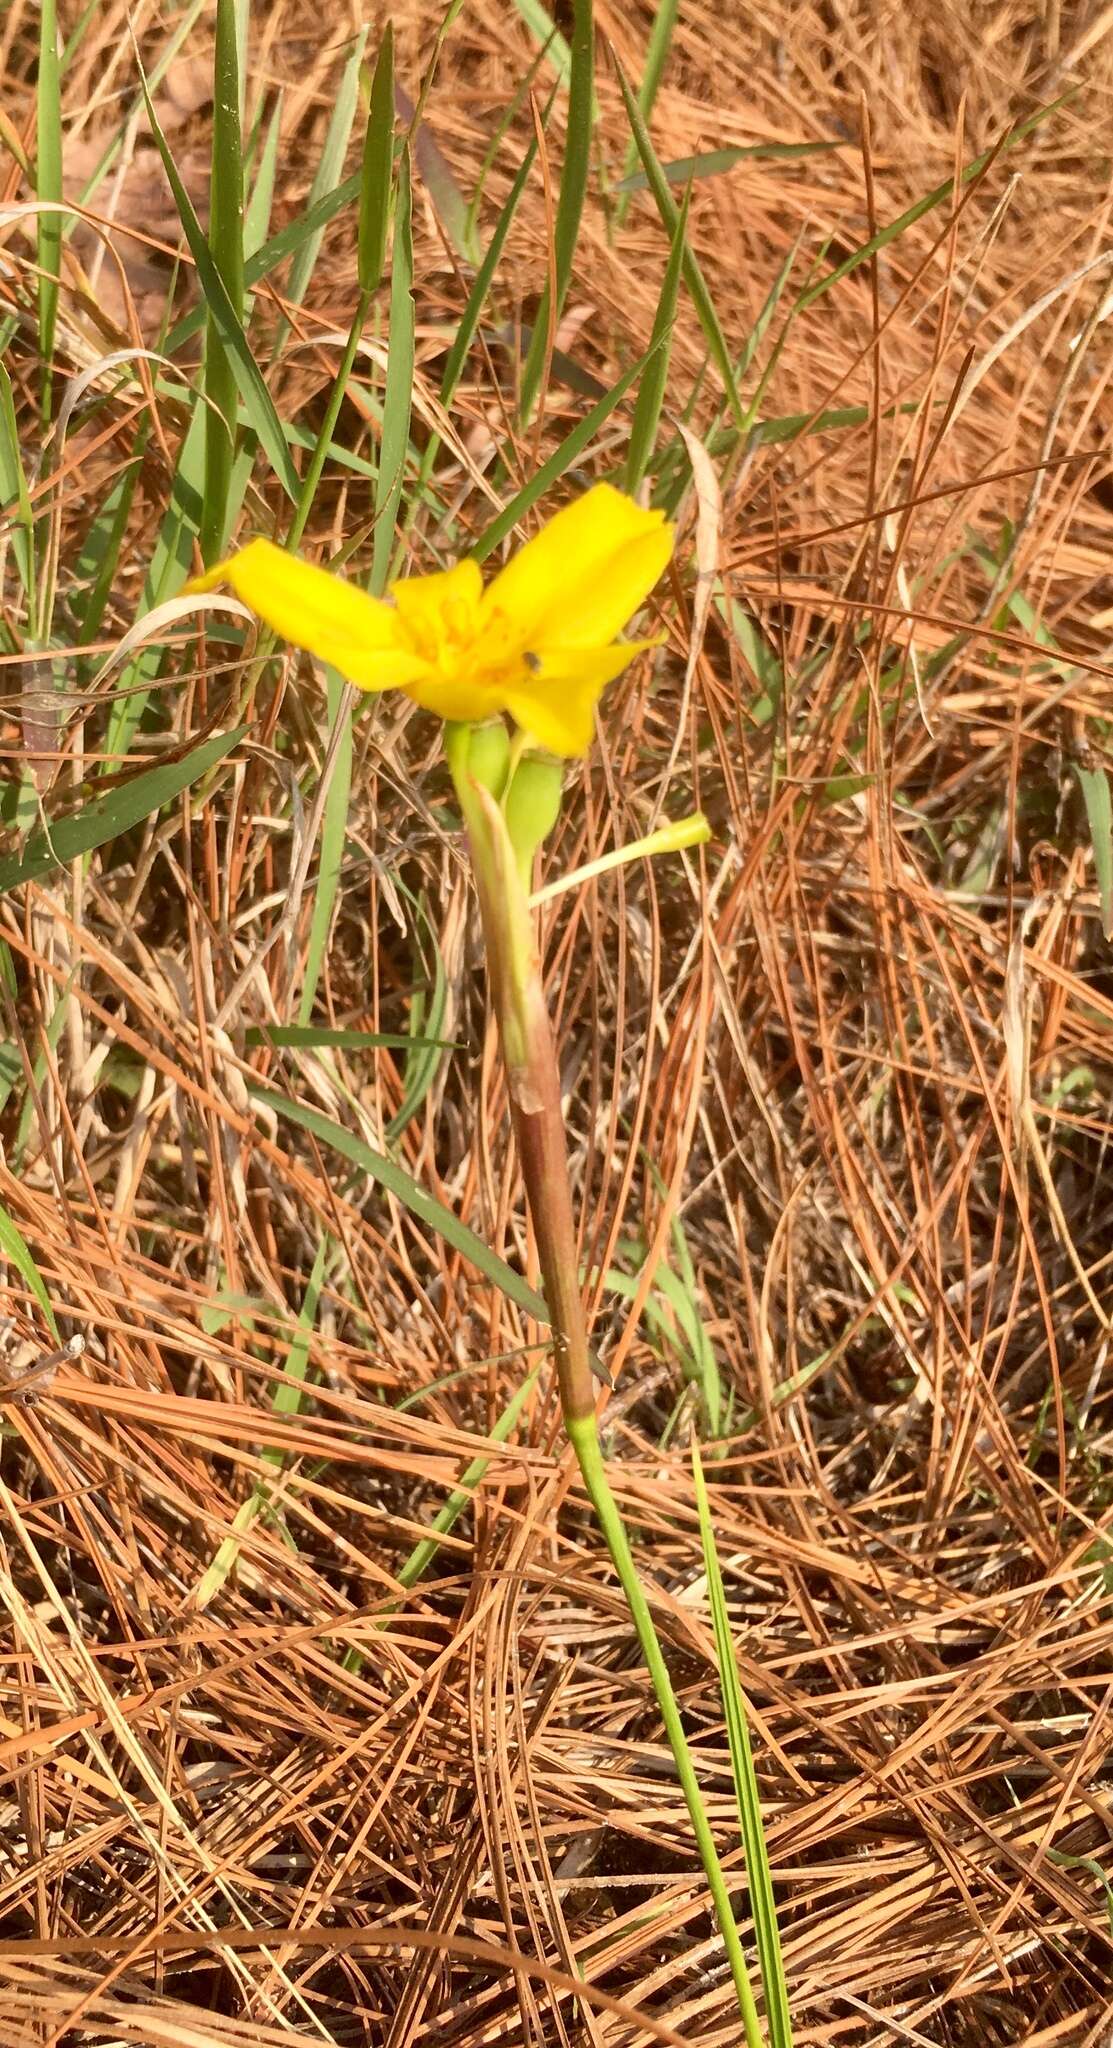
<point>529,1055</point>
<point>584,1437</point>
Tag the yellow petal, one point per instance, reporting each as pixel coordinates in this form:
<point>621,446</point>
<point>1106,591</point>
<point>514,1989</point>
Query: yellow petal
<point>585,574</point>
<point>556,702</point>
<point>450,698</point>
<point>387,668</point>
<point>358,634</point>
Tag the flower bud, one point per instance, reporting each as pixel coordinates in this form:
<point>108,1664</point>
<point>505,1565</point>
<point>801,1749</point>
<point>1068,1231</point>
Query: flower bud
<point>488,756</point>
<point>532,806</point>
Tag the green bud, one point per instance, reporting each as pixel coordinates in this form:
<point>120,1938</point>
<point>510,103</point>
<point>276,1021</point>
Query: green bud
<point>489,756</point>
<point>532,806</point>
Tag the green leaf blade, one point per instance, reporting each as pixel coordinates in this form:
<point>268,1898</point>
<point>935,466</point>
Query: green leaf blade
<point>411,1194</point>
<point>376,172</point>
<point>573,191</point>
<point>562,458</point>
<point>1094,783</point>
<point>762,1901</point>
<point>334,827</point>
<point>693,275</point>
<point>258,403</point>
<point>116,812</point>
<point>398,397</point>
<point>226,247</point>
<point>16,1250</point>
<point>48,180</point>
<point>651,390</point>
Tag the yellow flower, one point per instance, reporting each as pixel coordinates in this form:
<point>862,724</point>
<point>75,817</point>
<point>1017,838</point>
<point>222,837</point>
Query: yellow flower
<point>539,642</point>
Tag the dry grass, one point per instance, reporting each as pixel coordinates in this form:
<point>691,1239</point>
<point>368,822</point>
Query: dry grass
<point>865,1046</point>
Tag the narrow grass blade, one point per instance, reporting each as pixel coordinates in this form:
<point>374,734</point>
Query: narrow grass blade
<point>411,1194</point>
<point>427,1016</point>
<point>762,1903</point>
<point>722,441</point>
<point>554,46</point>
<point>257,212</point>
<point>48,185</point>
<point>651,391</point>
<point>660,37</point>
<point>573,191</point>
<point>562,458</point>
<point>421,1557</point>
<point>686,1305</point>
<point>786,1391</point>
<point>287,1400</point>
<point>298,238</point>
<point>583,1433</point>
<point>258,403</point>
<point>226,248</point>
<point>423,1553</point>
<point>374,216</point>
<point>1092,779</point>
<point>693,275</point>
<point>11,1071</point>
<point>183,29</point>
<point>13,143</point>
<point>761,325</point>
<point>493,151</point>
<point>929,201</point>
<point>376,170</point>
<point>760,658</point>
<point>320,1037</point>
<point>376,176</point>
<point>169,568</point>
<point>1094,783</point>
<point>314,468</point>
<point>398,398</point>
<point>15,1249</point>
<point>77,34</point>
<point>677,1324</point>
<point>98,562</point>
<point>1090,1863</point>
<point>477,297</point>
<point>325,176</point>
<point>433,168</point>
<point>334,828</point>
<point>117,811</point>
<point>684,170</point>
<point>27,1114</point>
<point>15,499</point>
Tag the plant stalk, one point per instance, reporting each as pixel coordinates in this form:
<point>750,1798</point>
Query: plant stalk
<point>529,1052</point>
<point>526,1036</point>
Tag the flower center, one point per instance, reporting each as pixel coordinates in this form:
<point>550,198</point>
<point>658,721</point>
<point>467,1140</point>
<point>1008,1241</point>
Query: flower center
<point>442,634</point>
<point>495,654</point>
<point>465,649</point>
